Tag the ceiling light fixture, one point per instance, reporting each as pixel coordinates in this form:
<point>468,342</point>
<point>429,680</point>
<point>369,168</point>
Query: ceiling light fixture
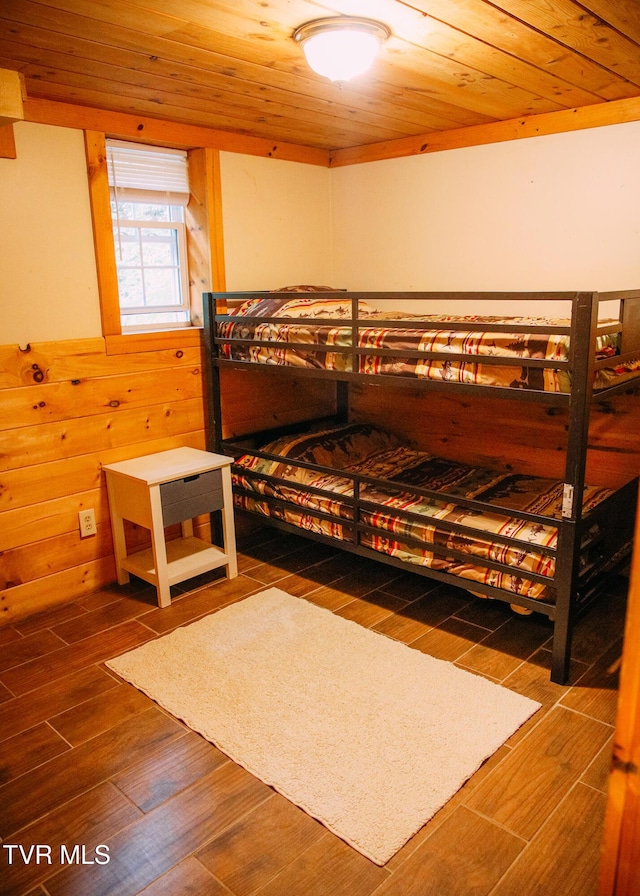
<point>341,47</point>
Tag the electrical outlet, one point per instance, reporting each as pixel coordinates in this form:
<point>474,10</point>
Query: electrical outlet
<point>87,519</point>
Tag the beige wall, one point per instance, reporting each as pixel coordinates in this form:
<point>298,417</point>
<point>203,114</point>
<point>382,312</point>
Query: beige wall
<point>551,213</point>
<point>276,223</point>
<point>48,285</point>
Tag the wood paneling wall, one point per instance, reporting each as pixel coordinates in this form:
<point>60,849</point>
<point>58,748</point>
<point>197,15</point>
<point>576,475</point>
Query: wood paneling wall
<point>524,436</point>
<point>65,409</point>
<point>520,435</point>
<point>68,407</point>
<point>261,398</point>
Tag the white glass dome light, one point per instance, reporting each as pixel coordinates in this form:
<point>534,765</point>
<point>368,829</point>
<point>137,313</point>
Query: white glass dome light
<point>342,47</point>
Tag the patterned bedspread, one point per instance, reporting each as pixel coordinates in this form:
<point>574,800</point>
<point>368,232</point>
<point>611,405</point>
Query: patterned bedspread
<point>325,328</point>
<point>398,516</point>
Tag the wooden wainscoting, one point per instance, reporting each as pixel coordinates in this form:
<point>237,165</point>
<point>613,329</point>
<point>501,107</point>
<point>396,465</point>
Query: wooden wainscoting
<point>66,408</point>
<point>523,436</point>
<point>259,398</point>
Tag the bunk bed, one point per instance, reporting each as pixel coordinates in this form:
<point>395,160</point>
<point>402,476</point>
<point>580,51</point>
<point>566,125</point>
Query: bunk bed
<point>539,543</point>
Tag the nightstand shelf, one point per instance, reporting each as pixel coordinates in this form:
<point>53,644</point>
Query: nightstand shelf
<point>158,490</point>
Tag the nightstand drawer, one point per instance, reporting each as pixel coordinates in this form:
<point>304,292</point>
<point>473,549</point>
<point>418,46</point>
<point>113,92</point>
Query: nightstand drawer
<point>182,499</point>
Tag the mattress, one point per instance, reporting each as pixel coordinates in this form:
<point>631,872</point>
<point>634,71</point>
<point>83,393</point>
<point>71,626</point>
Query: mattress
<point>318,333</point>
<point>398,519</point>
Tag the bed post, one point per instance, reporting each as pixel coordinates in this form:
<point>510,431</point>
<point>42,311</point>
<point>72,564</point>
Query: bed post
<point>212,408</point>
<point>584,320</point>
<point>630,317</point>
<point>566,577</point>
<point>342,401</point>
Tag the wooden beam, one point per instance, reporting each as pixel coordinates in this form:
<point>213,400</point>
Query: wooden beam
<point>148,130</point>
<point>597,115</point>
<point>11,96</point>
<point>165,133</point>
<point>7,142</point>
<point>216,229</point>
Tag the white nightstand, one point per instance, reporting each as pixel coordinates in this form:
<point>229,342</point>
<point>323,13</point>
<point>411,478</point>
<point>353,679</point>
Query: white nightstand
<point>169,487</point>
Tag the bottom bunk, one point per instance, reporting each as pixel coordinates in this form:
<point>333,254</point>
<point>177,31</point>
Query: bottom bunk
<point>499,534</point>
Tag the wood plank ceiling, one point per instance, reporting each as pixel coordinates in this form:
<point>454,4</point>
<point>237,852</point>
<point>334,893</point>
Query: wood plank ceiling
<point>232,64</point>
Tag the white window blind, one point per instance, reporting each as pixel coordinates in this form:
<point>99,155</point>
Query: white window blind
<point>139,173</point>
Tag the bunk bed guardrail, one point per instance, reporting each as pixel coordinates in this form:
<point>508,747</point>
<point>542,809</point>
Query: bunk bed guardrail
<point>358,352</point>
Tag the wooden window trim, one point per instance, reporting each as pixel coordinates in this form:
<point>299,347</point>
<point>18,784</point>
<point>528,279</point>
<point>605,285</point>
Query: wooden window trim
<point>7,142</point>
<point>96,153</point>
<point>205,246</point>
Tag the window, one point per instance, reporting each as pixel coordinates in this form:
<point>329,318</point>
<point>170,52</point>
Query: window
<point>149,190</point>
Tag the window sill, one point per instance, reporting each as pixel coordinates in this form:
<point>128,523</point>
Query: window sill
<point>129,343</point>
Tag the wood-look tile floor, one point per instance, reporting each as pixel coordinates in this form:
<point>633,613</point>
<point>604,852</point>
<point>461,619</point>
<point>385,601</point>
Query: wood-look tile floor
<point>91,769</point>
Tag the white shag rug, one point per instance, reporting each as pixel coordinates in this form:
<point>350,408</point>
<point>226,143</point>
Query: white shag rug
<point>365,734</point>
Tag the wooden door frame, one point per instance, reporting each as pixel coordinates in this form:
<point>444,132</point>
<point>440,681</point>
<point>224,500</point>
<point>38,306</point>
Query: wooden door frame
<point>620,863</point>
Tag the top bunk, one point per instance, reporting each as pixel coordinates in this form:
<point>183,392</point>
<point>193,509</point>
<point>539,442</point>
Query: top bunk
<point>590,343</point>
